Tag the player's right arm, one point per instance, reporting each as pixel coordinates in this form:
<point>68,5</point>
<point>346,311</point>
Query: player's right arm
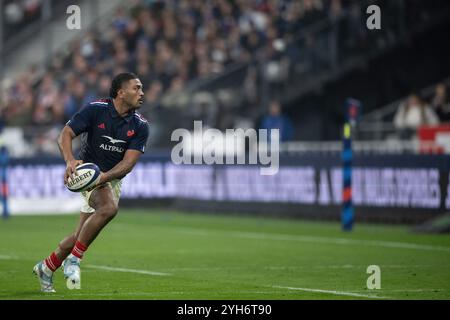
<point>79,123</point>
<point>65,147</point>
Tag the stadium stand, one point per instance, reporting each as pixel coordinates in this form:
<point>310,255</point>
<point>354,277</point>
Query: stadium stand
<point>19,15</point>
<point>364,152</point>
<point>179,50</point>
<point>223,62</point>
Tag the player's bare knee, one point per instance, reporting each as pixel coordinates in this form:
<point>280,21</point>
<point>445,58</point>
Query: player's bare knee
<point>108,211</point>
<point>113,209</point>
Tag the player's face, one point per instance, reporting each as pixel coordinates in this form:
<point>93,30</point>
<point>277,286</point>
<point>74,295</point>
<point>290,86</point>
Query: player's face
<point>133,94</point>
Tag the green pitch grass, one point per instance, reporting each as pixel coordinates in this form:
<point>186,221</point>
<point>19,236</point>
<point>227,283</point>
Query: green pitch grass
<point>149,254</point>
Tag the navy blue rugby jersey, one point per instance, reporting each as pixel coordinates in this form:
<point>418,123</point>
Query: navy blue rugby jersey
<point>105,135</point>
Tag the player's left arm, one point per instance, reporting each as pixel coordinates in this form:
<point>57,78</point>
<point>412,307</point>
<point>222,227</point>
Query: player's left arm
<point>121,169</point>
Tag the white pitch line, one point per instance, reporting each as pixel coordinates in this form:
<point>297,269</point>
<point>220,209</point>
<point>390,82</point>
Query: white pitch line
<point>5,257</point>
<point>376,243</point>
<point>349,266</point>
<point>309,267</point>
<point>412,290</point>
<point>339,293</point>
<point>162,293</point>
<point>313,239</point>
<point>152,273</point>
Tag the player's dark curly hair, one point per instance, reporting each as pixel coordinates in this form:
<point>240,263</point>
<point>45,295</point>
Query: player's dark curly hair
<point>118,80</point>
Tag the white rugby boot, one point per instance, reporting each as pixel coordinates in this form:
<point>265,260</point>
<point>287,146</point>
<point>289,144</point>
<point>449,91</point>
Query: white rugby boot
<point>45,277</point>
<point>72,272</point>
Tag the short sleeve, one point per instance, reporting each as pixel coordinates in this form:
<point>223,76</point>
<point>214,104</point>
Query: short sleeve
<point>140,139</point>
<point>82,120</point>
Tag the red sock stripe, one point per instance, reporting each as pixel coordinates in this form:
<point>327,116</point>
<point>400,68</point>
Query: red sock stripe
<point>53,262</point>
<point>50,265</point>
<point>79,249</point>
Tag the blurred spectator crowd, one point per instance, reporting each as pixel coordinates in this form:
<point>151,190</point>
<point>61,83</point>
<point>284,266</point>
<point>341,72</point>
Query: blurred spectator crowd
<point>18,14</point>
<point>166,43</point>
<point>22,14</point>
<point>417,111</point>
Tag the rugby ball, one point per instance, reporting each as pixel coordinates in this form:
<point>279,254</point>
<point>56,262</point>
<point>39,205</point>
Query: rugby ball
<point>87,175</point>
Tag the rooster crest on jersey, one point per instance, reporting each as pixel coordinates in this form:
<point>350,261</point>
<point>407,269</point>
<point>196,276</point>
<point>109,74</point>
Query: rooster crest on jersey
<point>87,175</point>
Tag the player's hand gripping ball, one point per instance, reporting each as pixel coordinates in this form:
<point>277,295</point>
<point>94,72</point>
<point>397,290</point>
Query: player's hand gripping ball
<point>85,177</point>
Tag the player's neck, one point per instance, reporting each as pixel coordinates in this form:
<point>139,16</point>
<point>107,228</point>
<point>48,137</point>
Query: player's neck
<point>122,108</point>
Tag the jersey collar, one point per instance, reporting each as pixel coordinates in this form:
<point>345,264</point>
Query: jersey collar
<point>115,114</point>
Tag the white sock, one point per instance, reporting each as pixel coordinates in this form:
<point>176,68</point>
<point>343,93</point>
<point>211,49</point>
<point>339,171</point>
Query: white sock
<point>46,270</point>
<point>71,256</point>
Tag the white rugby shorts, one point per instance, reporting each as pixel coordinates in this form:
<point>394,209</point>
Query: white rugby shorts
<point>115,186</point>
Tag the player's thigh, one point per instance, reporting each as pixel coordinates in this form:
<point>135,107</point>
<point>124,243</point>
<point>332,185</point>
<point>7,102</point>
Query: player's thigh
<point>102,198</point>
